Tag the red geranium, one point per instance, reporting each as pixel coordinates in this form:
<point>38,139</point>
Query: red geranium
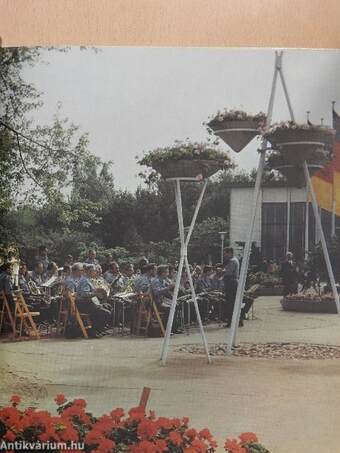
<point>60,399</point>
<point>246,438</point>
<point>15,399</point>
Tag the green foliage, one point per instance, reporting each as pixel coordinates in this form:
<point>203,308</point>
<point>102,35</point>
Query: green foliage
<point>236,115</point>
<point>206,241</point>
<point>185,151</point>
<point>264,279</point>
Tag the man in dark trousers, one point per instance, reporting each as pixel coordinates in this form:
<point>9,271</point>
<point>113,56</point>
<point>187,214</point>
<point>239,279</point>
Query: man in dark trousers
<point>289,275</point>
<point>231,274</point>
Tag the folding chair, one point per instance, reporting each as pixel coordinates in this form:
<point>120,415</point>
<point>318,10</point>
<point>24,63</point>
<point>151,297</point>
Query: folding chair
<point>24,317</point>
<point>147,314</point>
<point>83,319</point>
<point>6,313</point>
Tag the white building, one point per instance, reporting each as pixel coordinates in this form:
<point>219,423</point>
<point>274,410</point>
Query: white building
<point>281,223</point>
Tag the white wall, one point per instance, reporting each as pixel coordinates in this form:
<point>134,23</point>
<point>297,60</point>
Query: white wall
<point>241,199</point>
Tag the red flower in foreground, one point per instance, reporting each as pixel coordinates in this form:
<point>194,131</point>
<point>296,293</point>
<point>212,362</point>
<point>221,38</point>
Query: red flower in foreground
<point>60,399</point>
<point>175,438</point>
<point>15,399</point>
<point>246,438</point>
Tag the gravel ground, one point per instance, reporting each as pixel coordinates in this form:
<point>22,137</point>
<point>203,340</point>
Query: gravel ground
<point>289,351</point>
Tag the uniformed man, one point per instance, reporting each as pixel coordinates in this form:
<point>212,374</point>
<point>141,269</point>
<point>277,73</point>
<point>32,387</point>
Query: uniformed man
<point>113,277</point>
<point>71,282</point>
<point>127,277</point>
<point>23,279</point>
<point>6,285</point>
<point>88,302</point>
<point>142,283</point>
<point>217,280</point>
<point>162,289</point>
<point>231,274</point>
<point>204,281</point>
<point>38,274</point>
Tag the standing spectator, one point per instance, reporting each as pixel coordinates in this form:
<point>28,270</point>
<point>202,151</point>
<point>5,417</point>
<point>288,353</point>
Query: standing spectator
<point>231,274</point>
<point>289,275</point>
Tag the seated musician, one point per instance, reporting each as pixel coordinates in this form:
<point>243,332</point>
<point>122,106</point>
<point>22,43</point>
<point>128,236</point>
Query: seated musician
<point>38,273</point>
<point>23,279</point>
<point>142,283</point>
<point>127,277</point>
<point>162,289</point>
<point>204,281</point>
<point>217,280</point>
<point>6,285</point>
<point>203,286</point>
<point>87,301</point>
<point>71,282</point>
<point>114,278</point>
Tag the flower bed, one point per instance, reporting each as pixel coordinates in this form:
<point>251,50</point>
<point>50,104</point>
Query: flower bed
<point>185,159</point>
<point>309,303</point>
<point>236,127</point>
<point>136,432</point>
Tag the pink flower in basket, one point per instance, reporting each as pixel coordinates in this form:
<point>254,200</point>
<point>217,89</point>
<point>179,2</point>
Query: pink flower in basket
<point>199,177</point>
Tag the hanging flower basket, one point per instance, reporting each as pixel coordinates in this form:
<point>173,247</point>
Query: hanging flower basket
<point>187,160</point>
<point>236,128</point>
<point>301,143</point>
<point>292,168</point>
<point>295,174</point>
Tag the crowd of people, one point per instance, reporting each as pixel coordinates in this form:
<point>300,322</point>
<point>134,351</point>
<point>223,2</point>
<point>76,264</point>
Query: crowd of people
<point>97,285</point>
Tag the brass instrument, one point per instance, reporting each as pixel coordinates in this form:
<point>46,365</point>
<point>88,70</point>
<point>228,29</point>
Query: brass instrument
<point>34,289</point>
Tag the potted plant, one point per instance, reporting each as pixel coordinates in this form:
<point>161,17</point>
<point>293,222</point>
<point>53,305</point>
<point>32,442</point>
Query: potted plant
<point>301,142</point>
<point>187,160</point>
<point>236,127</point>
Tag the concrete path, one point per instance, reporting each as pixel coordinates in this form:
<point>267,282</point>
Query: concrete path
<point>293,405</point>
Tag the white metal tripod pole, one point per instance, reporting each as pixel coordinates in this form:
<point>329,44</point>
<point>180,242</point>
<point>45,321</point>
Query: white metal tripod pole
<point>247,249</point>
<point>322,236</point>
<point>184,261</point>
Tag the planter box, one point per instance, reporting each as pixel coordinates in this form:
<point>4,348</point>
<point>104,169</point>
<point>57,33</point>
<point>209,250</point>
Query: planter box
<point>189,168</point>
<point>308,306</point>
<point>236,134</point>
<point>270,291</point>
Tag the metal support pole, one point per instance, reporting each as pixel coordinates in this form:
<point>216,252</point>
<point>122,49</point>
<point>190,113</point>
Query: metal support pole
<point>247,248</point>
<point>307,225</point>
<point>288,220</point>
<point>199,320</point>
<point>322,237</point>
<point>183,261</point>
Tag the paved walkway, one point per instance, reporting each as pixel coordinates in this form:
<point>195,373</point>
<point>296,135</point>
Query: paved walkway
<point>294,405</point>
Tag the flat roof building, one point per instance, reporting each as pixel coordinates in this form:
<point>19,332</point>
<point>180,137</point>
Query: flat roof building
<point>284,221</point>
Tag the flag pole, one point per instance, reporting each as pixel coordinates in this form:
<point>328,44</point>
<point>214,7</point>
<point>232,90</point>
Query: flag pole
<point>333,187</point>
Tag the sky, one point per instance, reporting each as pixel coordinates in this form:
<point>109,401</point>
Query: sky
<point>133,100</point>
